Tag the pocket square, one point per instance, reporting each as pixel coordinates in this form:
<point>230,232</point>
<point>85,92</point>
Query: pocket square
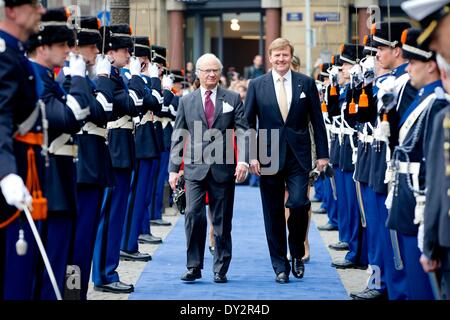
<point>227,107</point>
<point>302,95</point>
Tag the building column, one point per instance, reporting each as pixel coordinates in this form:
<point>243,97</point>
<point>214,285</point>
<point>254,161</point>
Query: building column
<point>120,11</point>
<point>176,28</point>
<point>273,25</point>
<point>176,42</point>
<point>364,17</point>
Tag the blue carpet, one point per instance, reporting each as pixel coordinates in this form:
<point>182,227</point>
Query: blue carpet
<point>250,276</point>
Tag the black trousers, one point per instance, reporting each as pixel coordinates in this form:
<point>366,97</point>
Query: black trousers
<point>272,188</point>
<point>221,198</point>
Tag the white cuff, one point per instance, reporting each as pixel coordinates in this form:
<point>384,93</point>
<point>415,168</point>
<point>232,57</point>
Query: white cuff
<point>244,163</point>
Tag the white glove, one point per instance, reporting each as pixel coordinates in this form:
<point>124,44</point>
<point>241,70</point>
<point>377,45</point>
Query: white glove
<point>153,70</point>
<point>14,191</point>
<point>135,66</point>
<point>420,236</point>
<point>77,65</point>
<point>167,82</point>
<point>103,66</point>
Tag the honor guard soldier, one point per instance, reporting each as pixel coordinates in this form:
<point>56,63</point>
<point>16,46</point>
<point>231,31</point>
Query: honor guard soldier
<point>94,165</point>
<point>166,117</point>
<point>162,119</point>
<point>336,103</point>
<point>409,159</point>
<point>434,18</point>
<point>367,114</point>
<point>322,82</point>
<point>350,216</point>
<point>65,112</point>
<point>329,202</point>
<point>126,103</point>
<point>396,91</point>
<point>147,150</point>
<point>158,57</point>
<point>21,133</point>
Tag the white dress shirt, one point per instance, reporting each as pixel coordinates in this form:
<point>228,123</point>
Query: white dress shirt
<point>212,96</point>
<point>287,86</point>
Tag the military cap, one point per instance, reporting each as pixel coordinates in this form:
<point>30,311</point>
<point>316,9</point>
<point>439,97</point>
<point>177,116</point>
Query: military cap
<point>88,30</point>
<point>323,71</point>
<point>369,48</point>
<point>159,54</point>
<point>427,13</point>
<point>177,75</point>
<point>16,3</point>
<point>336,60</point>
<point>117,36</point>
<point>351,53</point>
<point>412,50</point>
<point>54,28</point>
<point>142,47</point>
<point>388,34</point>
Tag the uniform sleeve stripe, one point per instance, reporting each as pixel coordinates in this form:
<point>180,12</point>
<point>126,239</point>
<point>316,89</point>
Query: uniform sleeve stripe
<point>73,104</point>
<point>104,102</point>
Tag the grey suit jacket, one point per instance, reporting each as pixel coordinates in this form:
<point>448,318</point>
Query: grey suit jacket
<point>202,149</point>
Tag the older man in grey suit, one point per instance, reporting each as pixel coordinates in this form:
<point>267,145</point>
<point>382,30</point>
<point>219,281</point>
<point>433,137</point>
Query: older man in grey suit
<point>207,123</point>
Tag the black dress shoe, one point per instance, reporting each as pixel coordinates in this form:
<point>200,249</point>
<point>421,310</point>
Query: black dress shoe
<point>191,275</point>
<point>339,246</point>
<point>369,294</point>
<point>218,278</point>
<point>320,211</point>
<point>149,238</point>
<point>327,227</point>
<point>135,256</point>
<point>115,287</point>
<point>298,268</point>
<point>347,264</point>
<point>160,222</point>
<point>282,277</point>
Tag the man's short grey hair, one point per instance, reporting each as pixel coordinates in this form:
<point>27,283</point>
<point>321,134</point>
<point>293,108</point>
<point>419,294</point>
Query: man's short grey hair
<point>443,65</point>
<point>205,57</point>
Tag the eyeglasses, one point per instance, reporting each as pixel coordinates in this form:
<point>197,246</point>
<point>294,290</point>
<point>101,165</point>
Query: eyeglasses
<point>208,71</point>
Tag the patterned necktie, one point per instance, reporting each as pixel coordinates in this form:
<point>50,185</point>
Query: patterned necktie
<point>209,109</point>
<point>282,98</point>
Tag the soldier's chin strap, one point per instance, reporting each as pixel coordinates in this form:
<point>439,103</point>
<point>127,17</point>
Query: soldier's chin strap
<point>47,264</point>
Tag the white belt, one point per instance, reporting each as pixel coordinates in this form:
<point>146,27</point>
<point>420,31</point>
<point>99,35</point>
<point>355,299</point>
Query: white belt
<point>365,138</point>
<point>92,128</point>
<point>60,148</point>
<point>348,131</point>
<point>147,117</point>
<point>70,150</point>
<point>164,120</point>
<point>411,168</point>
<point>334,130</point>
<point>122,123</point>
